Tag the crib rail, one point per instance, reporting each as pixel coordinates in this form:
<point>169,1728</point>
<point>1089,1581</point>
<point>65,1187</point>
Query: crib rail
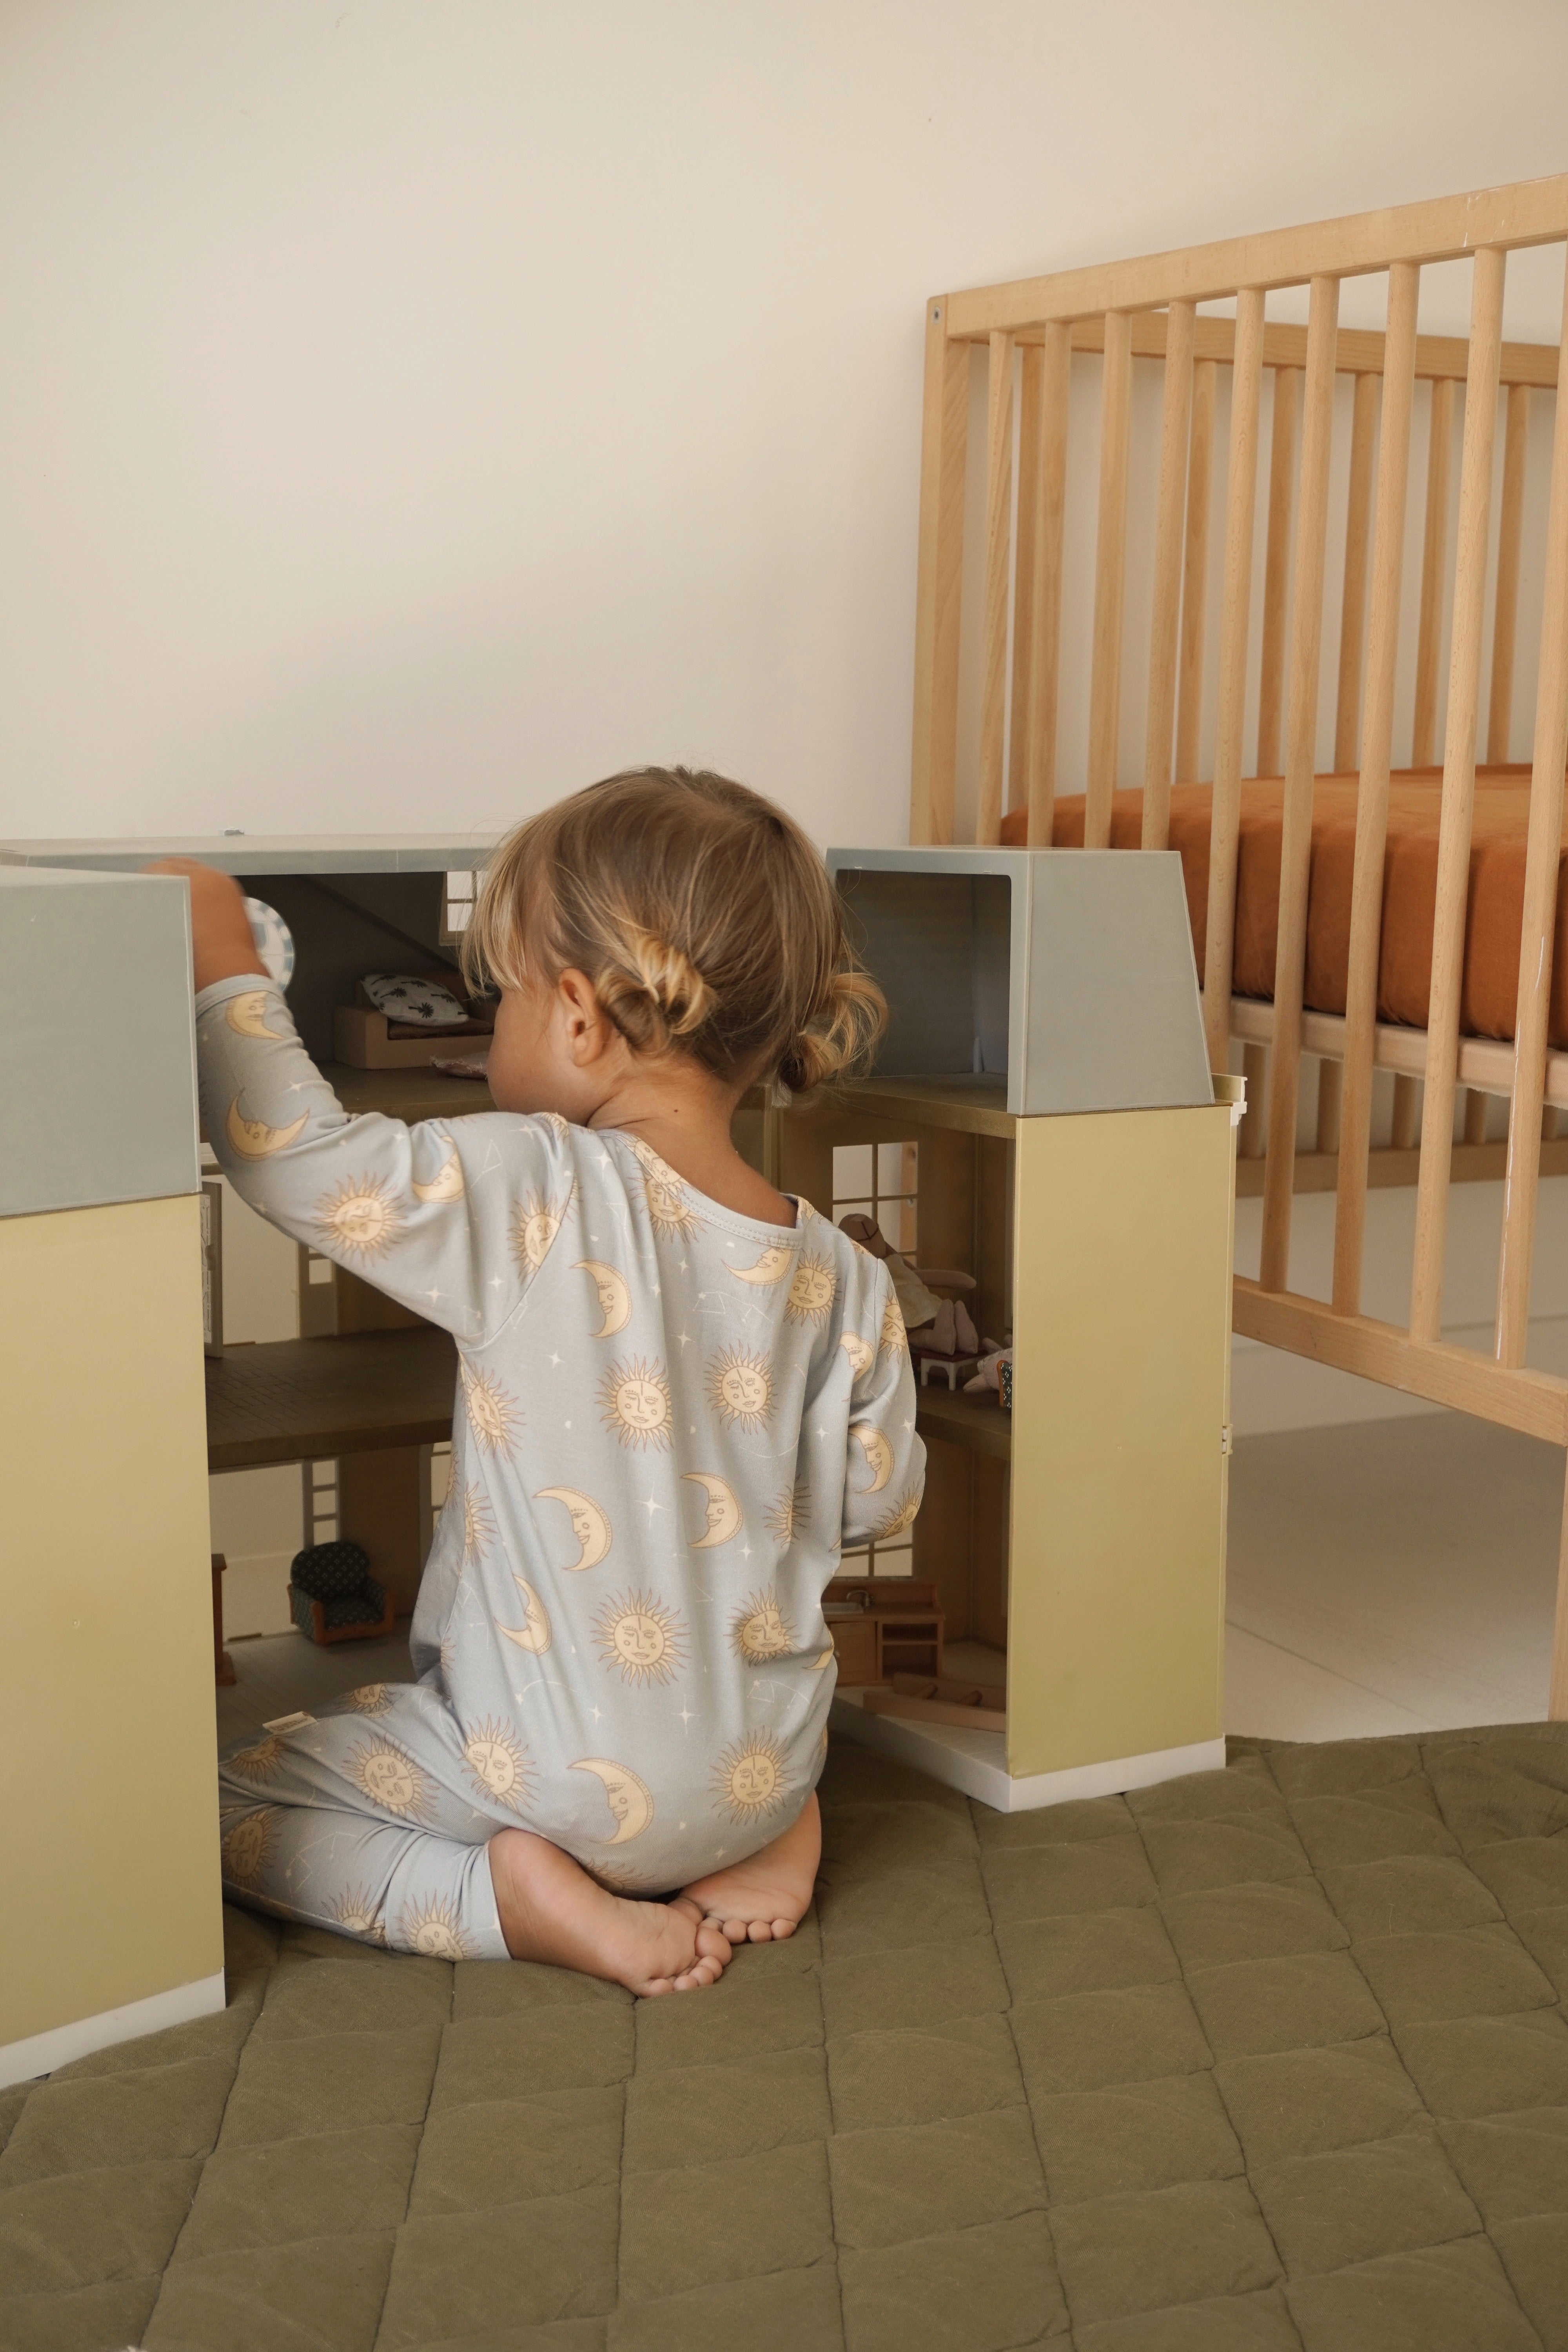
<point>1486,390</point>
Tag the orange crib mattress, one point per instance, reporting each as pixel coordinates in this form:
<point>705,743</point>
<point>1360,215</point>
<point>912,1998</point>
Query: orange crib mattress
<point>1493,920</point>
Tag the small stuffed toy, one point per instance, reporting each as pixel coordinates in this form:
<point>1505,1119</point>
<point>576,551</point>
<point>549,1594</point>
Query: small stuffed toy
<point>423,1004</point>
<point>333,1595</point>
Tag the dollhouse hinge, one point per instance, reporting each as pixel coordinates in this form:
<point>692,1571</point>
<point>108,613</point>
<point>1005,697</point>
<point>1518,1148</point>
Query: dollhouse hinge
<point>1227,1438</point>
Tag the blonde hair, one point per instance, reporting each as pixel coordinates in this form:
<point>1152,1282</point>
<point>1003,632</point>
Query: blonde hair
<point>702,914</point>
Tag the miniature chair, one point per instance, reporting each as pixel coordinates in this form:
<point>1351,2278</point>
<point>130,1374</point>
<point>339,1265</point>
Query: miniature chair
<point>333,1596</point>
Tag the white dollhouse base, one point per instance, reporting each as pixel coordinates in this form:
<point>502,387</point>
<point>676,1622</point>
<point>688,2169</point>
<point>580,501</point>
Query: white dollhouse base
<point>976,1761</point>
<point>40,2053</point>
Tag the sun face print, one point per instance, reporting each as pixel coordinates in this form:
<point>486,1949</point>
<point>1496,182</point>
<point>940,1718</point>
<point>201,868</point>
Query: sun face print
<point>497,1761</point>
<point>478,1521</point>
<point>361,1218</point>
<point>749,1781</point>
<point>356,1912</point>
<point>666,1198</point>
<point>371,1698</point>
<point>494,1417</point>
<point>895,1338</point>
<point>760,1629</point>
<point>811,1292</point>
<point>641,1639</point>
<point>534,1232</point>
<point>782,1517</point>
<point>247,1848</point>
<point>901,1517</point>
<point>740,1389</point>
<point>432,1930</point>
<point>633,1401</point>
<point>391,1781</point>
<point>261,1763</point>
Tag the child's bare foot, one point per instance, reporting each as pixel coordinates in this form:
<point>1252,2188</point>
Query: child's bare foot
<point>765,1897</point>
<point>552,1910</point>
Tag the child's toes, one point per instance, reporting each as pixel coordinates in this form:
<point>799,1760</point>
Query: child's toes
<point>713,1943</point>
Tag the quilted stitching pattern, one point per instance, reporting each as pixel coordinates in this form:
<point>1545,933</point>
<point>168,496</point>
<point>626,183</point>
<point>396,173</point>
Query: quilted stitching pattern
<point>1271,2060</point>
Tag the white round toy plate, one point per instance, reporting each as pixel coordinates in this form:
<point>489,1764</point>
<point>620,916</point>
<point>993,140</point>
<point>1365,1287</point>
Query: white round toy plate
<point>274,939</point>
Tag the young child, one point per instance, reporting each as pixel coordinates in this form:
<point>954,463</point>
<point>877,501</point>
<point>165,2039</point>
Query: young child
<point>680,1393</point>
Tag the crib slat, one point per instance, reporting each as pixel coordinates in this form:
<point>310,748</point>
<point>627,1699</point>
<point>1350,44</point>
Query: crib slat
<point>1404,1122</point>
<point>1109,580</point>
<point>1371,798</point>
<point>1300,766</point>
<point>1434,570</point>
<point>1254,1118</point>
<point>1195,571</point>
<point>1476,1108</point>
<point>944,432</point>
<point>1024,566</point>
<point>1458,795</point>
<point>1046,608</point>
<point>1505,606</point>
<point>1352,602</point>
<point>1277,567</point>
<point>998,570</point>
<point>1236,603</point>
<point>1330,1075</point>
<point>1536,936</point>
<point>1170,511</point>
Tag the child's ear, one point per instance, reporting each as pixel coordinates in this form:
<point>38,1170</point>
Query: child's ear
<point>588,1033</point>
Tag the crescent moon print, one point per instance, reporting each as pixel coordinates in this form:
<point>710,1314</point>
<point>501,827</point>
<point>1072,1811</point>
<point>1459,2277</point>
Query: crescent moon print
<point>740,1389</point>
<point>493,1415</point>
<point>633,1401</point>
<point>614,1298</point>
<point>254,1139</point>
<point>901,1517</point>
<point>590,1525</point>
<point>879,1453</point>
<point>749,1780</point>
<point>724,1519</point>
<point>247,1016</point>
<point>895,1338</point>
<point>246,1850</point>
<point>772,1266</point>
<point>760,1629</point>
<point>447,1184</point>
<point>811,1294</point>
<point>536,1632</point>
<point>497,1761</point>
<point>432,1929</point>
<point>630,1800</point>
<point>819,1665</point>
<point>392,1779</point>
<point>861,1355</point>
<point>641,1639</point>
<point>360,1218</point>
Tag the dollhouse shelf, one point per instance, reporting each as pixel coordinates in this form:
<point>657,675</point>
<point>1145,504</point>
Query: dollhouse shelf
<point>977,1422</point>
<point>311,1399</point>
<point>975,1106</point>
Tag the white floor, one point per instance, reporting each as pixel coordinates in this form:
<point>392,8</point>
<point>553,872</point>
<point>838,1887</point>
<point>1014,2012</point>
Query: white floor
<point>1391,1576</point>
<point>1386,1576</point>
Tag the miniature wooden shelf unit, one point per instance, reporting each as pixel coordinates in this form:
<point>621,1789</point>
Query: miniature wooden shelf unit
<point>998,779</point>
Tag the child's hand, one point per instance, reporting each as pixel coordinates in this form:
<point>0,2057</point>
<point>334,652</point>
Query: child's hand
<point>221,944</point>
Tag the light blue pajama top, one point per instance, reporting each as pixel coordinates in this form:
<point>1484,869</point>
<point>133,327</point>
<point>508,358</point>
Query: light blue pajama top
<point>668,1420</point>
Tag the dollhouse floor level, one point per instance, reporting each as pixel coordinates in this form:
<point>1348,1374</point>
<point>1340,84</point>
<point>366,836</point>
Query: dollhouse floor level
<point>976,1761</point>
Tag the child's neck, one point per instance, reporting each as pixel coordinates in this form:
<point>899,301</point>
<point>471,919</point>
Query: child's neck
<point>684,1114</point>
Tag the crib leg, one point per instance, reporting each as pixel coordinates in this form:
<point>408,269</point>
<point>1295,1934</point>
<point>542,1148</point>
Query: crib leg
<point>1557,1699</point>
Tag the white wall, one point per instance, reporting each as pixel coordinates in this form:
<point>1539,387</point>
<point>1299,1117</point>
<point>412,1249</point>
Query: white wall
<point>411,408</point>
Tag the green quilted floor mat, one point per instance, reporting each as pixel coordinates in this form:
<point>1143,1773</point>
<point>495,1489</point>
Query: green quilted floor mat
<point>1269,2060</point>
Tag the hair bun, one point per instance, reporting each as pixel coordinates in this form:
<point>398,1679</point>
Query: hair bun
<point>656,994</point>
<point>849,1023</point>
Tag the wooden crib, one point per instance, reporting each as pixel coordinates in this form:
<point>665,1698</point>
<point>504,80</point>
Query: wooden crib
<point>989,681</point>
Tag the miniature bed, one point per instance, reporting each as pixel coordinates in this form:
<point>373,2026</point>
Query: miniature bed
<point>1379,923</point>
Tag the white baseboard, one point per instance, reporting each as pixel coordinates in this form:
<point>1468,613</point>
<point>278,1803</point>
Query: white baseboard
<point>975,1761</point>
<point>40,2053</point>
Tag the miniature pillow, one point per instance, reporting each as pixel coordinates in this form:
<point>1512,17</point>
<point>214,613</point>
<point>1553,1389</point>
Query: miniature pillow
<point>425,1003</point>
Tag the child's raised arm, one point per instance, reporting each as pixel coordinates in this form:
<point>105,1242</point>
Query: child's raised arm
<point>435,1217</point>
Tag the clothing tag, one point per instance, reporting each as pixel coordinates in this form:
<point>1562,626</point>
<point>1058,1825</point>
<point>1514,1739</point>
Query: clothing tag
<point>287,1722</point>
